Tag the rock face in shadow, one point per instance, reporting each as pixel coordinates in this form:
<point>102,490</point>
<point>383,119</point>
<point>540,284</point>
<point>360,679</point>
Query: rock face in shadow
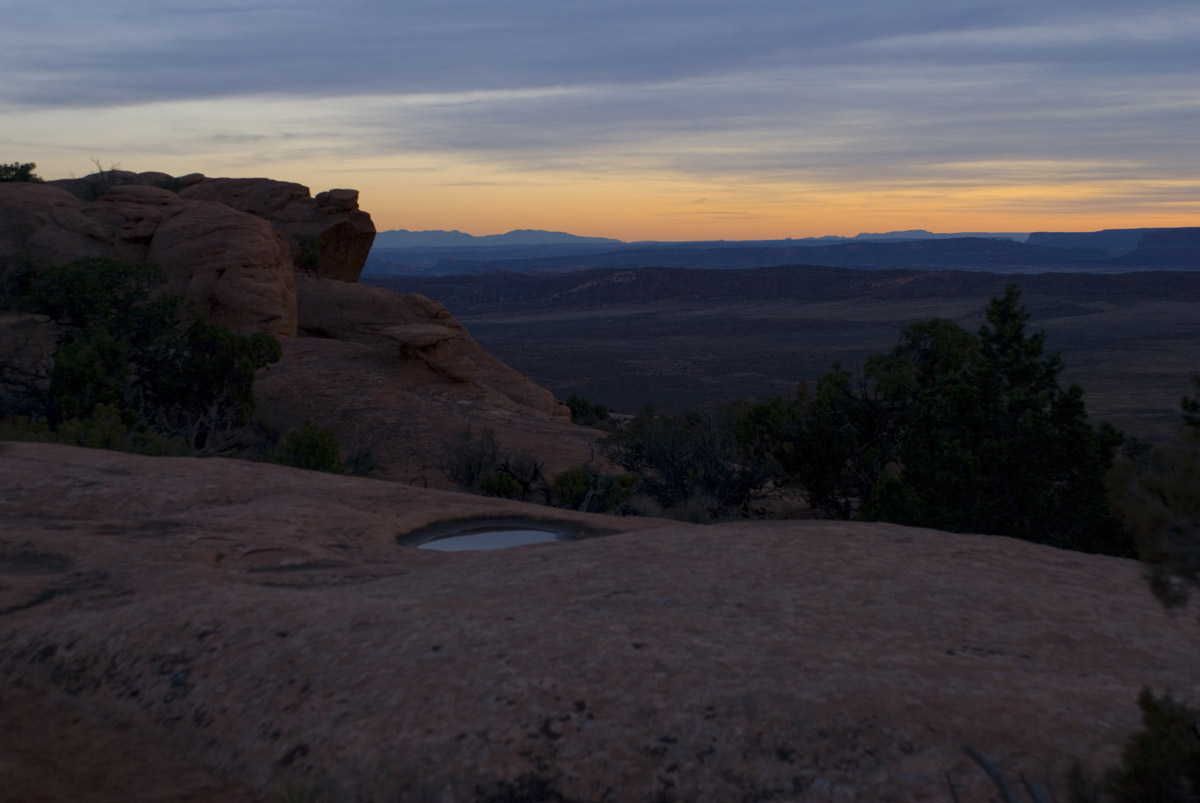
<point>417,328</point>
<point>391,373</point>
<point>258,624</point>
<point>328,235</point>
<point>234,266</point>
<point>396,374</point>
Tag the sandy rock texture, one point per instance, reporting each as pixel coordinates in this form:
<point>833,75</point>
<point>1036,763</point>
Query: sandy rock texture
<point>235,266</point>
<point>396,374</point>
<point>256,624</point>
<point>328,234</point>
<point>391,373</point>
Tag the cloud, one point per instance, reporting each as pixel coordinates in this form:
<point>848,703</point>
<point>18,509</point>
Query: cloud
<point>136,51</point>
<point>761,91</point>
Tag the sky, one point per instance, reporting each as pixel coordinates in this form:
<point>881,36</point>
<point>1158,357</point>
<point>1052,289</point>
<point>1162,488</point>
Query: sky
<point>651,119</point>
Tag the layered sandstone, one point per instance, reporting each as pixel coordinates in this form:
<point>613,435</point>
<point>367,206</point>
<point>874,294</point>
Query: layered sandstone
<point>393,374</point>
<point>256,624</point>
<point>328,235</point>
<point>234,266</point>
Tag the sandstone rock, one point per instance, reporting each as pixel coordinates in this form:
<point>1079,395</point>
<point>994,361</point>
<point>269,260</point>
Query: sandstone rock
<point>424,379</point>
<point>256,623</point>
<point>397,375</point>
<point>48,226</point>
<point>368,315</point>
<point>239,267</point>
<point>95,185</point>
<point>234,265</point>
<point>418,335</point>
<point>405,411</point>
<point>328,235</point>
<point>328,231</point>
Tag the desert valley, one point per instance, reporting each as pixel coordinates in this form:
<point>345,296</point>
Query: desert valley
<point>211,621</point>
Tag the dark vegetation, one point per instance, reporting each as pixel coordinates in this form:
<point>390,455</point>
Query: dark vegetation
<point>314,448</point>
<point>477,464</point>
<point>691,465</point>
<point>132,368</point>
<point>128,351</point>
<point>1159,763</point>
<point>961,432</point>
<point>17,171</point>
<point>1156,488</point>
<point>586,412</point>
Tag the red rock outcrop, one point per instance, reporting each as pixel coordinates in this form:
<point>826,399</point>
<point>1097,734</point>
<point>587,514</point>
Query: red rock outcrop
<point>392,373</point>
<point>234,265</point>
<point>397,375</point>
<point>329,235</point>
<point>419,329</point>
<point>255,623</point>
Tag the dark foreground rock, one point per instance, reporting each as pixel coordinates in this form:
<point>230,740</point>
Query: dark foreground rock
<point>258,624</point>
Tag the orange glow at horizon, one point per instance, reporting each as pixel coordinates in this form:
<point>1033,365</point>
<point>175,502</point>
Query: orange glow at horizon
<point>440,191</point>
<point>634,210</point>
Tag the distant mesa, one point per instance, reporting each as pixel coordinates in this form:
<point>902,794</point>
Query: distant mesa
<point>922,234</point>
<point>1108,251</point>
<point>403,238</point>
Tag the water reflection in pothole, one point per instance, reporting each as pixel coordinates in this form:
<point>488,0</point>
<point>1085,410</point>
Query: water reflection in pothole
<point>490,539</point>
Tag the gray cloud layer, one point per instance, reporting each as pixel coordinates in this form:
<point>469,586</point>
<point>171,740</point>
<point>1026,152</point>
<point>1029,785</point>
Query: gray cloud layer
<point>765,86</point>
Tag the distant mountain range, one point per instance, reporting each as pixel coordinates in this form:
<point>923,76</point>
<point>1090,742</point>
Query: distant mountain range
<point>403,238</point>
<point>439,238</point>
<point>440,253</point>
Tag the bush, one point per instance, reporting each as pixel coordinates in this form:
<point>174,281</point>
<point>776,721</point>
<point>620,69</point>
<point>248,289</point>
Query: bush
<point>308,254</point>
<point>585,412</point>
<point>588,489</point>
<point>361,462</point>
<point>1160,763</point>
<point>127,346</point>
<point>313,448</point>
<point>469,460</point>
<point>687,458</point>
<point>103,429</point>
<point>477,465</point>
<point>1156,492</point>
<point>17,171</point>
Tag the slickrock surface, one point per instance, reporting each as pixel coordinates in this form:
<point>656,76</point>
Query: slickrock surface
<point>396,374</point>
<point>258,624</point>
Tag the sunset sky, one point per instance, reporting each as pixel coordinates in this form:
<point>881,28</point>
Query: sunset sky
<point>654,119</point>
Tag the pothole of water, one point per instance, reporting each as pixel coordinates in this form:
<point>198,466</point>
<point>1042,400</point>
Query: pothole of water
<point>496,532</point>
<point>490,539</point>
